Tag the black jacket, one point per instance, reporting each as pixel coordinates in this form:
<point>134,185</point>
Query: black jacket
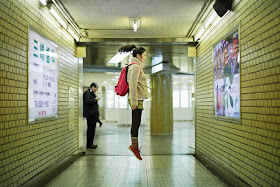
<point>90,105</point>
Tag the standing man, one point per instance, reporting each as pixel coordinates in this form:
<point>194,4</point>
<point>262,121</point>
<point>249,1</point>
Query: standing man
<point>91,112</point>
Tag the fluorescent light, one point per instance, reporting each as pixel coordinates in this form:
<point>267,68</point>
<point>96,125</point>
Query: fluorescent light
<point>119,57</point>
<point>210,19</point>
<point>44,2</point>
<point>135,26</point>
<point>73,34</point>
<point>205,34</point>
<point>199,33</point>
<point>67,35</point>
<point>135,23</point>
<point>59,19</point>
<point>66,16</point>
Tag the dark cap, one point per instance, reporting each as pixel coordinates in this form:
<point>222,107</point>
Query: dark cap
<point>94,84</point>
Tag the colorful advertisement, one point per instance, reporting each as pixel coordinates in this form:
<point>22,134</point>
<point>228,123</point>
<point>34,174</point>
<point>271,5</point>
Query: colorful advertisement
<point>42,77</point>
<point>226,60</point>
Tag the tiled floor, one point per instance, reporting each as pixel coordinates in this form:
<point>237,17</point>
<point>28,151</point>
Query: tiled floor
<point>167,161</point>
<point>114,140</point>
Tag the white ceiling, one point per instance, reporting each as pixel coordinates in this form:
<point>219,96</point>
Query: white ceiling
<point>110,18</point>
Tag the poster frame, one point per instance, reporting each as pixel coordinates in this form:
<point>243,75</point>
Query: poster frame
<point>224,118</point>
<point>49,118</point>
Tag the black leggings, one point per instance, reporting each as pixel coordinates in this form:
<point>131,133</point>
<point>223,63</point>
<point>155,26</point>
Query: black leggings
<point>136,121</point>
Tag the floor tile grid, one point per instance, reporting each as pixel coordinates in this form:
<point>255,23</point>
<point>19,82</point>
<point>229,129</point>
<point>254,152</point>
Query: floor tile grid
<point>128,171</point>
<point>112,164</point>
<point>116,172</point>
<point>136,174</point>
<point>156,173</point>
<point>98,168</point>
<point>113,140</point>
<point>177,174</point>
<point>63,178</point>
<point>80,173</point>
<point>200,174</point>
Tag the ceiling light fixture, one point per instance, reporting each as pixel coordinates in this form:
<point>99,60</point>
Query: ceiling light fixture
<point>210,19</point>
<point>73,34</point>
<point>59,19</point>
<point>63,21</point>
<point>119,57</point>
<point>199,33</point>
<point>66,16</point>
<point>206,26</point>
<point>44,2</point>
<point>134,23</point>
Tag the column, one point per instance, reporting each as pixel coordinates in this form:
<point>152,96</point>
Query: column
<point>161,104</point>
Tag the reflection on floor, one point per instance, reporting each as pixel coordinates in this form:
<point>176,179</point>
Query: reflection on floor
<point>167,161</point>
<point>114,140</point>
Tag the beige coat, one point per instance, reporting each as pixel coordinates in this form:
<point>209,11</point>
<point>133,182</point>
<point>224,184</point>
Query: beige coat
<point>136,91</point>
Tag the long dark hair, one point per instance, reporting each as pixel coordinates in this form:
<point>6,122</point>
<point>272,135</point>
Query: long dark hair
<point>127,48</point>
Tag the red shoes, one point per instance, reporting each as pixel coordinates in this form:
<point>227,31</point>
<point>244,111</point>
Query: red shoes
<point>136,152</point>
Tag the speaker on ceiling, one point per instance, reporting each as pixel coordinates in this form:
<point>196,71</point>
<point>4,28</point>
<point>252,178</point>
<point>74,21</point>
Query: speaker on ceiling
<point>222,6</point>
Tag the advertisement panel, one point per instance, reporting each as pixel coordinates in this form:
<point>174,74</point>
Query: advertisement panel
<point>226,60</point>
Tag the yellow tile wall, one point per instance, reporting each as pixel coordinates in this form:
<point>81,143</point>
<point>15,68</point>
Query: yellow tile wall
<point>28,149</point>
<point>249,150</point>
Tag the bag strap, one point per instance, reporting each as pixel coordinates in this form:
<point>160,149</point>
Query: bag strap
<point>137,65</point>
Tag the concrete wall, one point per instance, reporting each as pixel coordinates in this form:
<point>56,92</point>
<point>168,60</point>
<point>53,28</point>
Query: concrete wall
<point>27,149</point>
<point>250,149</point>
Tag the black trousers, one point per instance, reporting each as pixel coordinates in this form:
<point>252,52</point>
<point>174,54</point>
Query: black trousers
<point>91,125</point>
<point>136,121</point>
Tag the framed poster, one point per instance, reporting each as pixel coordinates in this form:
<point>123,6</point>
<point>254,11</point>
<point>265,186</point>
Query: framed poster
<point>226,58</point>
<point>42,77</point>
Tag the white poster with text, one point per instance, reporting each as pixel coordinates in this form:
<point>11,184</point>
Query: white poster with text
<point>42,77</point>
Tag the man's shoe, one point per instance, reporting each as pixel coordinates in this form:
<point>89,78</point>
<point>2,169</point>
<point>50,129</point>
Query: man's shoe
<point>100,123</point>
<point>136,152</point>
<point>92,147</point>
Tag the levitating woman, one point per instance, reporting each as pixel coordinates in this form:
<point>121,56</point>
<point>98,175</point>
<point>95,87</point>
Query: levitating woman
<point>137,92</point>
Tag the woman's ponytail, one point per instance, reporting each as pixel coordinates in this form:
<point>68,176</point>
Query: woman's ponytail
<point>131,47</point>
<point>127,48</point>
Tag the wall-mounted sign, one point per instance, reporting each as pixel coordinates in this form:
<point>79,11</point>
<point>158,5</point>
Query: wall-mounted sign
<point>42,77</point>
<point>226,60</point>
<point>156,60</point>
<point>161,67</point>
